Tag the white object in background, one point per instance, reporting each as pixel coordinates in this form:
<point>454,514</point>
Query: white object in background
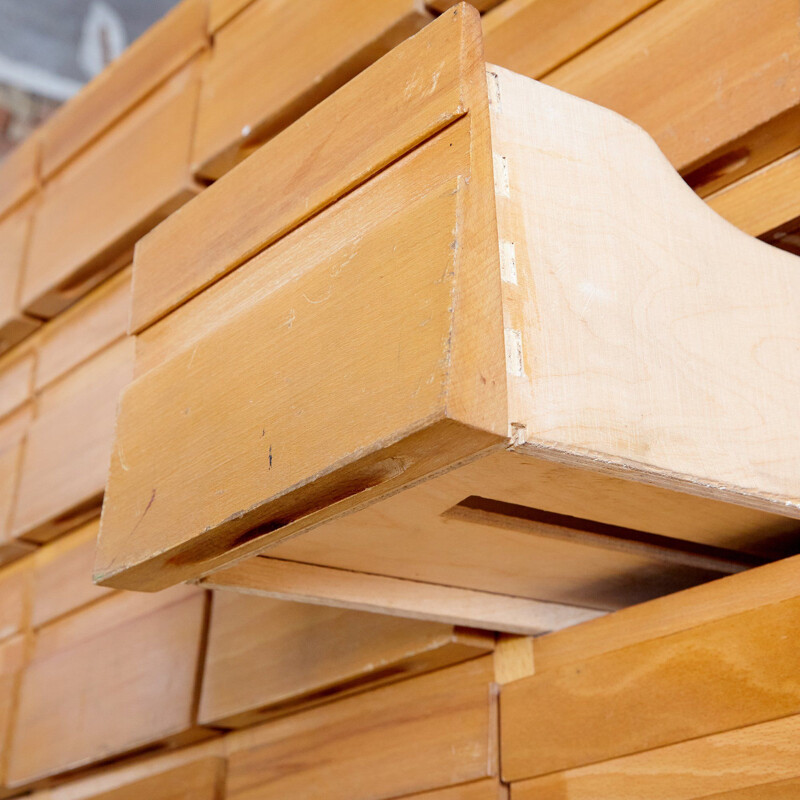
<point>103,38</point>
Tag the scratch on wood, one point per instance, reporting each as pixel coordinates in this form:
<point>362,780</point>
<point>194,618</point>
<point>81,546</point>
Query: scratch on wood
<point>144,513</point>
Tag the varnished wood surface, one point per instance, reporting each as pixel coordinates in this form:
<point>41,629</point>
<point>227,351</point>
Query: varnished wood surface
<point>269,657</point>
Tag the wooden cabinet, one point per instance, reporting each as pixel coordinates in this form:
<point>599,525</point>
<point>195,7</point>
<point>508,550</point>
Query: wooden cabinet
<point>122,675</point>
<point>307,49</point>
<point>269,657</point>
<point>461,371</point>
<point>92,212</point>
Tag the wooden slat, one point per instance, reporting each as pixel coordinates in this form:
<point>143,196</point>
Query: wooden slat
<point>158,53</point>
<point>13,430</point>
<point>735,760</point>
<point>723,675</point>
<point>268,657</point>
<point>68,445</point>
<point>340,144</point>
<point>781,790</point>
<point>19,174</point>
<point>120,676</point>
<point>269,577</point>
<point>441,6</point>
<point>718,106</point>
<point>93,323</point>
<point>535,36</point>
<point>62,575</point>
<point>327,42</point>
<point>14,230</point>
<point>433,731</point>
<point>92,212</point>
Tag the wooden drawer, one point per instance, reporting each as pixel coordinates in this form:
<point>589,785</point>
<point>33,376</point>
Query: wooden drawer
<point>68,446</point>
<point>93,211</point>
<point>432,731</point>
<point>19,174</point>
<point>160,52</point>
<point>14,230</point>
<point>116,677</point>
<point>309,49</point>
<point>268,657</point>
<point>62,575</point>
<point>98,320</point>
<point>456,382</point>
<point>707,675</point>
<point>13,430</point>
<point>719,107</point>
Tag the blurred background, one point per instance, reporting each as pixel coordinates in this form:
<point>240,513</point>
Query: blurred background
<point>50,48</point>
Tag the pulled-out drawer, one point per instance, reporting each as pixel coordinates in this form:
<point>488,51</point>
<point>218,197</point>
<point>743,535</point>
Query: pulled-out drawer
<point>476,333</point>
<point>93,211</point>
<point>306,50</point>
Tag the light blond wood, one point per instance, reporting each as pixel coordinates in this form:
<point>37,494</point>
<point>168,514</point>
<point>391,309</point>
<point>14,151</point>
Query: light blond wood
<point>15,598</point>
<point>433,731</point>
<point>92,212</point>
<point>535,36</point>
<point>19,174</point>
<point>723,675</point>
<point>655,365</point>
<point>327,42</point>
<point>62,575</point>
<point>269,657</point>
<point>14,230</point>
<point>66,454</point>
<point>782,790</point>
<point>338,145</point>
<point>719,106</point>
<point>151,59</point>
<point>121,675</point>
<point>735,760</point>
<point>13,430</point>
<point>269,577</point>
<point>93,323</point>
<point>669,615</point>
